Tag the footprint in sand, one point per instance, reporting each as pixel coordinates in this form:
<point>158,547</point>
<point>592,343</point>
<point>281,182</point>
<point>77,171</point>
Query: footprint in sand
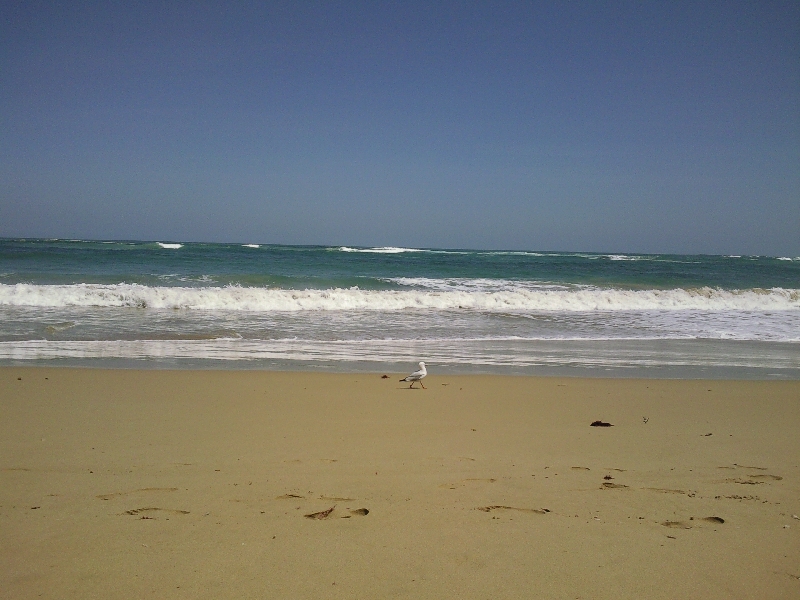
<point>613,486</point>
<point>738,497</point>
<point>324,514</point>
<point>685,525</point>
<point>714,519</point>
<point>118,494</point>
<point>328,498</point>
<point>465,482</point>
<point>753,479</point>
<point>664,490</point>
<point>150,509</point>
<point>538,511</point>
<point>743,481</point>
<point>363,512</point>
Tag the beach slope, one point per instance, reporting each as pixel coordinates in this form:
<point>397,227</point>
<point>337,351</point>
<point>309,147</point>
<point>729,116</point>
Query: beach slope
<point>223,484</point>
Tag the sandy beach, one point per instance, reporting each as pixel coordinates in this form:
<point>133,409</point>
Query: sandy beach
<point>245,484</point>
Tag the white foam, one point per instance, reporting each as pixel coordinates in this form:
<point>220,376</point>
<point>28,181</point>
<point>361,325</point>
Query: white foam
<point>170,246</point>
<point>517,253</point>
<point>521,299</point>
<point>382,250</point>
<point>465,284</point>
<point>186,278</point>
<point>251,245</point>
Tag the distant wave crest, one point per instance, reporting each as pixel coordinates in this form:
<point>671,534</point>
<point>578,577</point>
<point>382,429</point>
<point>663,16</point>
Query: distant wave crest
<point>382,250</point>
<point>236,298</point>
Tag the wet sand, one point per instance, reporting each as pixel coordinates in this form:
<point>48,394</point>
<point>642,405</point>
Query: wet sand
<point>199,484</point>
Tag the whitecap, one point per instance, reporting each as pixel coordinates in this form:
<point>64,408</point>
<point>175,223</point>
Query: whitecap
<point>514,253</point>
<point>170,246</point>
<point>251,245</point>
<point>626,257</point>
<point>380,250</point>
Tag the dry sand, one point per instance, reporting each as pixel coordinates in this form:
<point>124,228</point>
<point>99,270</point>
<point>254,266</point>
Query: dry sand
<point>196,484</point>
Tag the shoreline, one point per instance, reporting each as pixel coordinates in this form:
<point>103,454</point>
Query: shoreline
<point>655,372</point>
<point>118,483</point>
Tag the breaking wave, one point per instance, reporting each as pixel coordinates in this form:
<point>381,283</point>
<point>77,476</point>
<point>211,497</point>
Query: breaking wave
<point>382,250</point>
<point>504,297</point>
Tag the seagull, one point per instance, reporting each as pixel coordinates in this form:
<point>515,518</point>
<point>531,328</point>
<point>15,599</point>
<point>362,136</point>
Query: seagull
<point>417,376</point>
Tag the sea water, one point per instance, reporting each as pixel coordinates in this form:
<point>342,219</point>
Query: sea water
<point>176,305</point>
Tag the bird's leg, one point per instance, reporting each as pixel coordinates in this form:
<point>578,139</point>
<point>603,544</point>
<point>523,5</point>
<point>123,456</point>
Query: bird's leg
<point>423,385</point>
<point>411,387</point>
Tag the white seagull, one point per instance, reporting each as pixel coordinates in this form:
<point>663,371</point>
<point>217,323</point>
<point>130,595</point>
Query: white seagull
<point>417,376</point>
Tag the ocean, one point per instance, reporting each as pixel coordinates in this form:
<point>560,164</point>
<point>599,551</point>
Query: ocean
<point>336,308</point>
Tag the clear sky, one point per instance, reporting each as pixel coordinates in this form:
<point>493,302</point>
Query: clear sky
<point>606,126</point>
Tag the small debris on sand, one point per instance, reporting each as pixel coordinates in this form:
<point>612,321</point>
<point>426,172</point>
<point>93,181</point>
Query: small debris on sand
<point>321,515</point>
<point>600,424</point>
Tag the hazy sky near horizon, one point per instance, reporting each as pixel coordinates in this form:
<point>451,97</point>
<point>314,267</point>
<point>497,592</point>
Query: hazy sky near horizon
<point>591,126</point>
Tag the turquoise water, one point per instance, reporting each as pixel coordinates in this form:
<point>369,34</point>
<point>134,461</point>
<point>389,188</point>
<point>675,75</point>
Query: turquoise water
<point>170,304</point>
<point>299,267</point>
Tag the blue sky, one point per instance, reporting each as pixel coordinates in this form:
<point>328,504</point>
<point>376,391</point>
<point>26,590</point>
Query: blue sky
<point>596,126</point>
